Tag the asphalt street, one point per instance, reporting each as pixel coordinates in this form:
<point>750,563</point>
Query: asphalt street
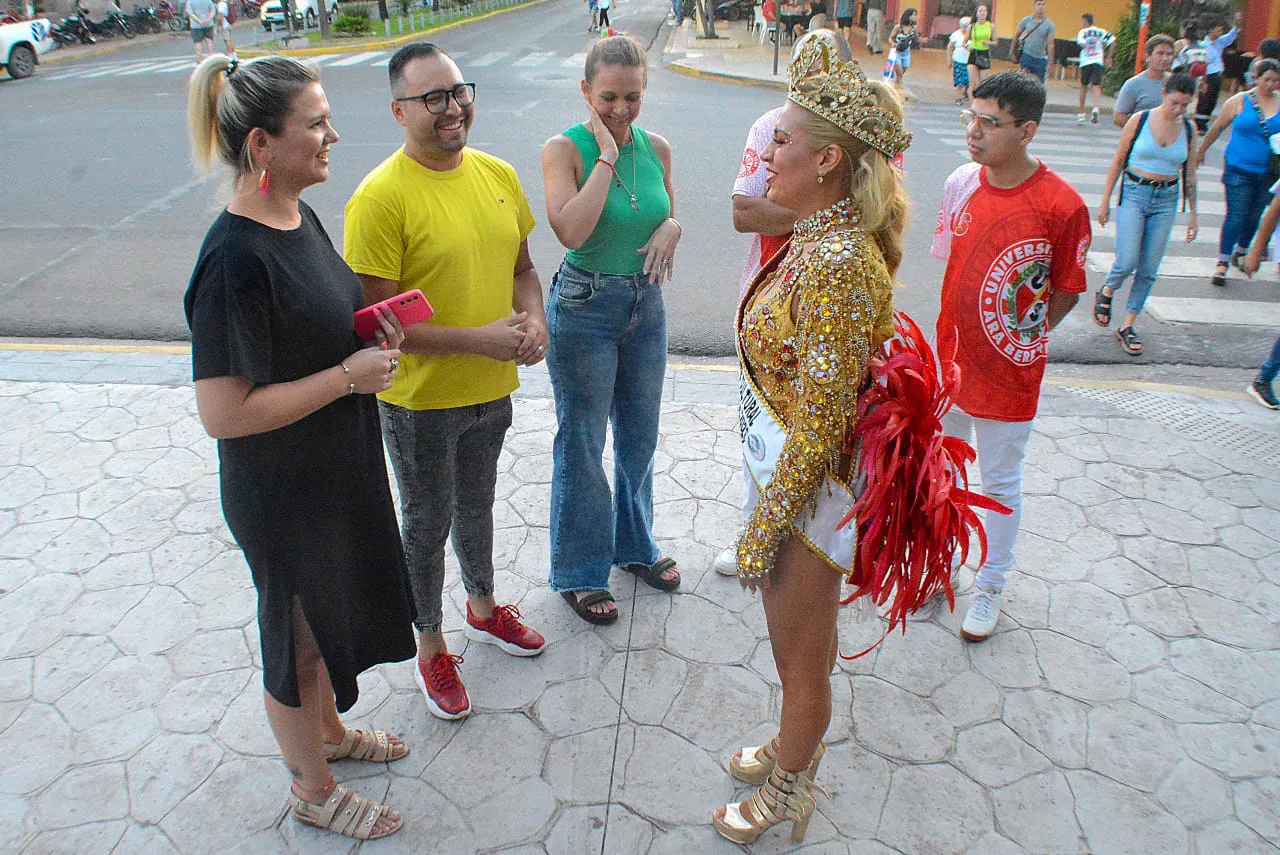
<point>105,215</point>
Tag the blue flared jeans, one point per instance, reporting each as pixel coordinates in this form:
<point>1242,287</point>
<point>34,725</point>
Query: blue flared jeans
<point>1143,223</point>
<point>607,361</point>
<point>1248,195</point>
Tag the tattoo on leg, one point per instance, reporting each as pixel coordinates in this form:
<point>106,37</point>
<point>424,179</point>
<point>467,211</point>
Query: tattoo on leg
<point>293,770</point>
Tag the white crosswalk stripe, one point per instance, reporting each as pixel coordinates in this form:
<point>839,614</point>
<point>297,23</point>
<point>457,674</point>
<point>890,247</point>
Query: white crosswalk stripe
<point>356,59</point>
<point>578,60</point>
<point>156,67</point>
<point>535,58</point>
<point>488,59</point>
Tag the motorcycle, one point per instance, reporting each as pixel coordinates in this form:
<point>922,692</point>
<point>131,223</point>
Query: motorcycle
<point>116,22</point>
<point>73,29</point>
<point>145,20</point>
<point>172,16</point>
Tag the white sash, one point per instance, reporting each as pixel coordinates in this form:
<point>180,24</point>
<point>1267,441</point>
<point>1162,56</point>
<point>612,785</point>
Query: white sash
<point>762,440</point>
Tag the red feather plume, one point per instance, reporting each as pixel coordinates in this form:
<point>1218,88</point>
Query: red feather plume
<point>915,510</point>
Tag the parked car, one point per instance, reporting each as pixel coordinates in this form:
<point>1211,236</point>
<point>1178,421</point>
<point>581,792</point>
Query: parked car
<point>21,45</point>
<point>304,13</point>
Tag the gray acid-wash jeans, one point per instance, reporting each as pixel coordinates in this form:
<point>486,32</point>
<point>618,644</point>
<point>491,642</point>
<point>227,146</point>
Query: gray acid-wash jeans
<point>446,466</point>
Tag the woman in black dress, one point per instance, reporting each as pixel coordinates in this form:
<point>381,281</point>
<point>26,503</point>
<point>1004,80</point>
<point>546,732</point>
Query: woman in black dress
<point>287,389</point>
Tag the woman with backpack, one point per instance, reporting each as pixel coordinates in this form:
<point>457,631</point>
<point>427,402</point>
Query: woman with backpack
<point>1152,156</point>
<point>1250,165</point>
<point>903,38</point>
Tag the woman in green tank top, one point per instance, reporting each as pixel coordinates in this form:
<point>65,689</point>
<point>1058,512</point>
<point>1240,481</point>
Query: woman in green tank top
<point>610,201</point>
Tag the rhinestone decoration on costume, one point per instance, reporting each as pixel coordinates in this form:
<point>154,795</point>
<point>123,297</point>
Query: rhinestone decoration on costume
<point>809,371</point>
<point>838,92</point>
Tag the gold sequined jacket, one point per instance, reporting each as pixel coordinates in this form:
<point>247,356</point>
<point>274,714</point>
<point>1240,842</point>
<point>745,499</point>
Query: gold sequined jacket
<point>810,371</point>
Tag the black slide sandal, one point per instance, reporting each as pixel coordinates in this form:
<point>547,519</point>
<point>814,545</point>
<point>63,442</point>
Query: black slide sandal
<point>651,575</point>
<point>582,605</point>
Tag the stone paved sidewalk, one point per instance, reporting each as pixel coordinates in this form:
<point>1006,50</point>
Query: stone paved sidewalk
<point>1130,701</point>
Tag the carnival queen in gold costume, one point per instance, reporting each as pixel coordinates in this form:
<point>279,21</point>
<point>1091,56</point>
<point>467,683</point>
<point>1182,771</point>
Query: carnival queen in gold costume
<point>807,327</point>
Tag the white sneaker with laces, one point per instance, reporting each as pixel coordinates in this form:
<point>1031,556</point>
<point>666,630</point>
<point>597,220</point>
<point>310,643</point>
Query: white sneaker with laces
<point>726,562</point>
<point>984,611</point>
<point>1079,118</point>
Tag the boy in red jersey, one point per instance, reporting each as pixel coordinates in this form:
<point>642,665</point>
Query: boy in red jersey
<point>1014,235</point>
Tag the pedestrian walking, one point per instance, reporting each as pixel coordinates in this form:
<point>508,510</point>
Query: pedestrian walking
<point>453,222</point>
<point>844,18</point>
<point>806,330</point>
<point>1213,44</point>
<point>677,10</point>
<point>1033,43</point>
<point>959,44</point>
<point>1262,389</point>
<point>982,34</point>
<point>875,26</point>
<point>903,38</point>
<point>1247,173</point>
<point>286,388</point>
<point>611,201</point>
<point>1095,55</point>
<point>223,24</point>
<point>1014,236</point>
<point>768,223</point>
<point>593,16</point>
<point>603,7</point>
<point>201,14</point>
<point>1145,91</point>
<point>1150,163</point>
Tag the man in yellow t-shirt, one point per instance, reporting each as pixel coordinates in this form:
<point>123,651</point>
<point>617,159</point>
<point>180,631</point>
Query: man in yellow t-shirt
<point>453,222</point>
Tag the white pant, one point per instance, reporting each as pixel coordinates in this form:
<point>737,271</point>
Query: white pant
<point>875,28</point>
<point>1001,447</point>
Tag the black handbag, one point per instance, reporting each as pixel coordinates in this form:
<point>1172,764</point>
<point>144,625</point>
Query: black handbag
<point>982,60</point>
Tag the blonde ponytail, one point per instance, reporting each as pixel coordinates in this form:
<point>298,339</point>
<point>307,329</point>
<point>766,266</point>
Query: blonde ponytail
<point>228,99</point>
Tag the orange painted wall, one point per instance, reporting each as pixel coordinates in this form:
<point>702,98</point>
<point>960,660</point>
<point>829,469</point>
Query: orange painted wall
<point>1065,15</point>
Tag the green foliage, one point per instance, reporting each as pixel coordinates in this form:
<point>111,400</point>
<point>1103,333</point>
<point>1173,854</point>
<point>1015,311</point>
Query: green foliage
<point>354,21</point>
<point>1164,19</point>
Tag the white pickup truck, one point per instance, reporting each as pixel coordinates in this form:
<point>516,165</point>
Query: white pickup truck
<point>21,45</point>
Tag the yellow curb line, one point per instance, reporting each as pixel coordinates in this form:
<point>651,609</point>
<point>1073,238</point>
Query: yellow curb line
<point>1060,382</point>
<point>1143,386</point>
<point>385,43</point>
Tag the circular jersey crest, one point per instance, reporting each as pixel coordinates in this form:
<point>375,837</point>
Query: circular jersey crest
<point>1014,301</point>
<point>750,163</point>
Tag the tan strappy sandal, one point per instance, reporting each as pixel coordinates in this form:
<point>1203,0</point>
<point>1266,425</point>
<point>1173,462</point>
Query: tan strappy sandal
<point>372,745</point>
<point>345,813</point>
<point>752,765</point>
<point>785,797</point>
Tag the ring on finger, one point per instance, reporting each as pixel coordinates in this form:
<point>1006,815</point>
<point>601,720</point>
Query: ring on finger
<point>393,365</point>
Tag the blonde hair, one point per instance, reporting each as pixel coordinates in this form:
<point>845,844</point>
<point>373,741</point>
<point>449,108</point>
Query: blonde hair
<point>227,99</point>
<point>874,185</point>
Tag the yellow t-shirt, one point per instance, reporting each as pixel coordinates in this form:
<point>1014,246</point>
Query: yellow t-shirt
<point>456,236</point>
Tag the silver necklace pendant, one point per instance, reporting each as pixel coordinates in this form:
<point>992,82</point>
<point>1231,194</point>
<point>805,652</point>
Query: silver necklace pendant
<point>635,205</point>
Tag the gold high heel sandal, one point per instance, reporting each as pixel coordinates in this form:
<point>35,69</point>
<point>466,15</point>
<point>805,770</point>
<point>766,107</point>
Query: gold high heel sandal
<point>785,797</point>
<point>753,765</point>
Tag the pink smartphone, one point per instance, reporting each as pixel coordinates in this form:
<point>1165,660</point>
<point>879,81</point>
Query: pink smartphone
<point>410,307</point>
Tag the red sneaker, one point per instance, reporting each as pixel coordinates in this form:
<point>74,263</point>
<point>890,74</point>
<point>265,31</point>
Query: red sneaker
<point>505,630</point>
<point>445,694</point>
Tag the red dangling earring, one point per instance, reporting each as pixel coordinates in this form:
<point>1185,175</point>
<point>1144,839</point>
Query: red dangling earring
<point>264,183</point>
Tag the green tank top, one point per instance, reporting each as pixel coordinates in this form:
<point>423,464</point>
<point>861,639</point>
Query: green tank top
<point>622,229</point>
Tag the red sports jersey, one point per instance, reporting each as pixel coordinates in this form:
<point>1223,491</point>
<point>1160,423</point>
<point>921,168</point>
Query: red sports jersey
<point>1007,251</point>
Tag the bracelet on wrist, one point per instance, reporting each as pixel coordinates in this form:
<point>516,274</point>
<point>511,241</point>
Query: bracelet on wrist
<point>351,387</point>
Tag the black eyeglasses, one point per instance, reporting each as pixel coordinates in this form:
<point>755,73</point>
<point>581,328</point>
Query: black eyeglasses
<point>437,100</point>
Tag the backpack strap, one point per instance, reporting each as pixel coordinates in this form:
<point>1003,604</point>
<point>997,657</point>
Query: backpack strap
<point>1142,121</point>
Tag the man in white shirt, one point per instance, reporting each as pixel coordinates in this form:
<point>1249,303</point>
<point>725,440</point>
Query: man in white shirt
<point>1214,44</point>
<point>1095,53</point>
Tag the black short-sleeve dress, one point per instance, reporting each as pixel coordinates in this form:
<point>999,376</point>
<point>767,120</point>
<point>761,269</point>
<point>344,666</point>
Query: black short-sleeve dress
<point>308,503</point>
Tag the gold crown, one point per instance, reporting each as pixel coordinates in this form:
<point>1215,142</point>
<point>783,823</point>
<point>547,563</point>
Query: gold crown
<point>838,92</point>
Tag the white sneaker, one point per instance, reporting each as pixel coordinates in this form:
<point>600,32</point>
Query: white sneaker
<point>1079,118</point>
<point>726,562</point>
<point>980,620</point>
